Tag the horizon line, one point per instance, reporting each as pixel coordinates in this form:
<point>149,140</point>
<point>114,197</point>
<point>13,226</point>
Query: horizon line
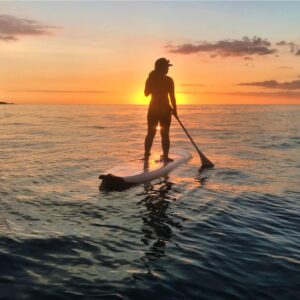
<point>136,104</point>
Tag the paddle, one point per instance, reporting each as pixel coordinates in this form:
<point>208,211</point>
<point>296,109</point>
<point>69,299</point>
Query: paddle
<point>206,163</point>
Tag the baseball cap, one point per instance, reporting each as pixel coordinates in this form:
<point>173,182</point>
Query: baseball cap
<point>162,62</point>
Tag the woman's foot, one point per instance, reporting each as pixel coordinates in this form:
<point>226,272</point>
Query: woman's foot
<point>166,159</point>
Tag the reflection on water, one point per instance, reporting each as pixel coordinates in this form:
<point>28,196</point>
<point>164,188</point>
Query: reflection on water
<point>157,223</point>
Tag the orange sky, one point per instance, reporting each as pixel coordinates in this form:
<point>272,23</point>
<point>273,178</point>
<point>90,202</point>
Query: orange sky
<point>101,53</point>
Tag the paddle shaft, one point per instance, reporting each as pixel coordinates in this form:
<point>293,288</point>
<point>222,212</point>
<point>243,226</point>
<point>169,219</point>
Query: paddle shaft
<point>204,160</point>
<point>188,134</point>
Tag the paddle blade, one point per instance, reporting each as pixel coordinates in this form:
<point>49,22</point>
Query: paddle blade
<point>206,163</point>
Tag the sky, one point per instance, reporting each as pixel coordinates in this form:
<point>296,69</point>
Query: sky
<point>89,52</point>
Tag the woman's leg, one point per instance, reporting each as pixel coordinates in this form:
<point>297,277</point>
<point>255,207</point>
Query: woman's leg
<point>164,131</point>
<point>152,124</point>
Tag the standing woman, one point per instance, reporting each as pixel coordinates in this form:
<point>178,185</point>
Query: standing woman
<point>162,105</point>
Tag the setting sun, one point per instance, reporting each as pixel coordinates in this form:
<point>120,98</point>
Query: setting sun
<point>140,99</point>
<point>182,99</point>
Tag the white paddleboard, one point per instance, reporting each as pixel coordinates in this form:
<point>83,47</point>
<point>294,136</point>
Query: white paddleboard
<point>139,171</point>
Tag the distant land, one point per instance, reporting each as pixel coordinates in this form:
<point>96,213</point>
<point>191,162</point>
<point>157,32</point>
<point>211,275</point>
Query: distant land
<point>2,102</point>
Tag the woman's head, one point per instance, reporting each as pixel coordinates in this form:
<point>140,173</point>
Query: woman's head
<point>162,65</point>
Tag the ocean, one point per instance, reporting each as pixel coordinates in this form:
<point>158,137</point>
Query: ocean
<point>231,232</point>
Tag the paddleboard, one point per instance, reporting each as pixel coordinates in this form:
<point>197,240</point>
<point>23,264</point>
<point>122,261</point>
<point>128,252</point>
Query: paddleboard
<point>139,171</point>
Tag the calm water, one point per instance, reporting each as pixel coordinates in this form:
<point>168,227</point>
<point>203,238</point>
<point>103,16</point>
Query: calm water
<point>232,232</point>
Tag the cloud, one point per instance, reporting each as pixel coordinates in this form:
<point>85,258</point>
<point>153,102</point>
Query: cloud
<point>188,93</point>
<point>273,84</point>
<point>294,48</point>
<point>192,84</point>
<point>286,67</point>
<point>284,43</point>
<point>289,44</point>
<point>283,94</point>
<point>67,91</point>
<point>244,47</point>
<point>295,95</point>
<point>12,27</point>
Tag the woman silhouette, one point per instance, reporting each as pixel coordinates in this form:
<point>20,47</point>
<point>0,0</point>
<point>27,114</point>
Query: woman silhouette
<point>161,88</point>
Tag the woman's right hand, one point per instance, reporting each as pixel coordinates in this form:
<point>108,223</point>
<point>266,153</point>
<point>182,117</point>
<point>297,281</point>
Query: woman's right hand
<point>174,112</point>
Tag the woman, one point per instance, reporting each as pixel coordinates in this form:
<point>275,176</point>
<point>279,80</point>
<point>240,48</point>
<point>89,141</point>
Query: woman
<point>161,88</point>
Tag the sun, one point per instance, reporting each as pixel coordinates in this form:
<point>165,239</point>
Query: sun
<point>181,99</point>
<point>140,99</point>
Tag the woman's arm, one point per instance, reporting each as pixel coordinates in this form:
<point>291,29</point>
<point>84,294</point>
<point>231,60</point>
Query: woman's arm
<point>172,97</point>
<point>150,82</point>
<point>147,90</point>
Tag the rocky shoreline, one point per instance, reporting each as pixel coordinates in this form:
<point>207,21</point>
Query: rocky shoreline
<point>3,102</point>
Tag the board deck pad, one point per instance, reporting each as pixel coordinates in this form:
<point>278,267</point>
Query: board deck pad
<point>137,171</point>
